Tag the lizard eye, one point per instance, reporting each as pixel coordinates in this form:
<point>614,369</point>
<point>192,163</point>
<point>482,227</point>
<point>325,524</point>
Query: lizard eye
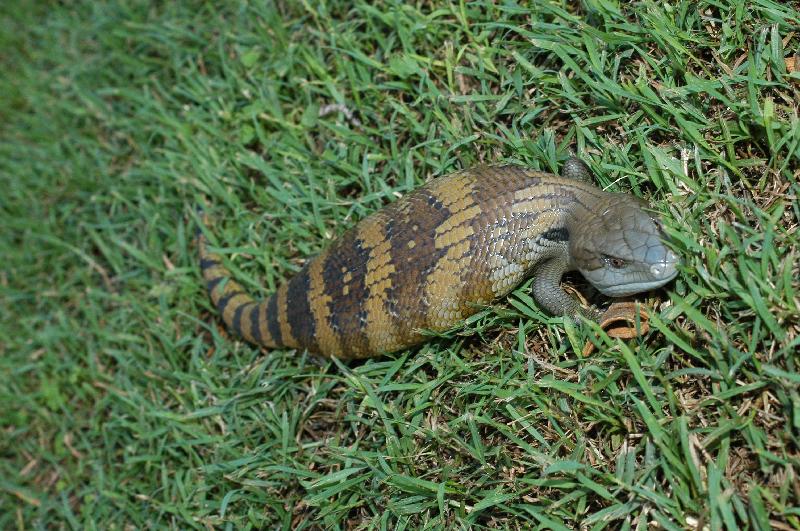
<point>613,261</point>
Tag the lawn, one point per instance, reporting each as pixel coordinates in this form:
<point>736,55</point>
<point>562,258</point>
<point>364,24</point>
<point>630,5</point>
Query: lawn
<point>128,405</point>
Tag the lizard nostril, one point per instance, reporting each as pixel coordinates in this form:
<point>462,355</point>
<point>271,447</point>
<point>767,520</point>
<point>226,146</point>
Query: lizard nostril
<point>665,268</point>
<point>657,270</point>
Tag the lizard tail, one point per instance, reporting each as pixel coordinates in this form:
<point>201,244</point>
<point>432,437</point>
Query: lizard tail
<point>255,321</point>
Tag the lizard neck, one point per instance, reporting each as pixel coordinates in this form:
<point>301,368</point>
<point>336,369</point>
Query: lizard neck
<point>577,209</point>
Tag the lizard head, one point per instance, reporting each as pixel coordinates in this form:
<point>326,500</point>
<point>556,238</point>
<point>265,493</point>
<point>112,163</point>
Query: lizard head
<point>620,249</point>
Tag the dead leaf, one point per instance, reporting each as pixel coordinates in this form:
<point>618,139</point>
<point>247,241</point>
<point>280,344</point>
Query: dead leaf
<point>619,321</point>
<point>792,64</point>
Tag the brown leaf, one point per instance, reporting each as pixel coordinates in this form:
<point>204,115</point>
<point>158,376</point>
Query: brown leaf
<point>792,64</point>
<point>619,321</point>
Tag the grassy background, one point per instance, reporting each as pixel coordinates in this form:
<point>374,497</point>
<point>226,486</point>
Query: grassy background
<point>127,405</point>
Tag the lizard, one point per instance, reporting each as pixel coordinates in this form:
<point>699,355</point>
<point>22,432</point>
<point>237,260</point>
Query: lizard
<point>445,250</point>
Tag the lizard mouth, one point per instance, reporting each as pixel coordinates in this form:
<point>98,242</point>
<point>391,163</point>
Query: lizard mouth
<point>631,288</point>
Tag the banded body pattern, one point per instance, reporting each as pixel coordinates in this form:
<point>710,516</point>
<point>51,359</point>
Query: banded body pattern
<point>426,261</point>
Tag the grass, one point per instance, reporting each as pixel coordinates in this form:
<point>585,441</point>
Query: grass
<point>127,404</point>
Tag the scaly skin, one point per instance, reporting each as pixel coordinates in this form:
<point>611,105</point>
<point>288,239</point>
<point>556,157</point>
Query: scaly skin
<point>443,251</point>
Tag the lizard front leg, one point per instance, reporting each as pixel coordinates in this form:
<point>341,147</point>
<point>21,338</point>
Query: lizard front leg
<point>548,293</point>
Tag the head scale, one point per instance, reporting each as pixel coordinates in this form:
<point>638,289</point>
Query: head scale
<point>620,248</point>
